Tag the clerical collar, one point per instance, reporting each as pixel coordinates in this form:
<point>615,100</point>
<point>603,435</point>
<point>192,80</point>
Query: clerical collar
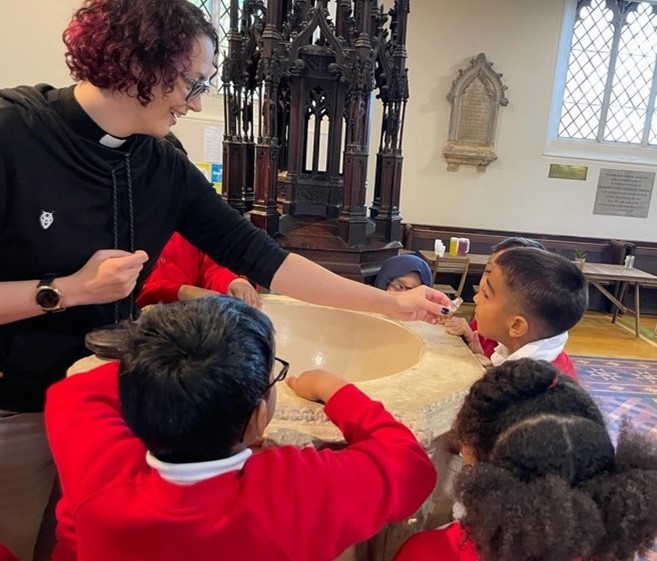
<point>111,141</point>
<point>67,107</point>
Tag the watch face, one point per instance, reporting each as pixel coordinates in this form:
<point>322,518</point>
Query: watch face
<point>48,298</point>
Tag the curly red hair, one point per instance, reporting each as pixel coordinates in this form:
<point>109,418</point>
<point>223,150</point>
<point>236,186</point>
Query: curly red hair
<point>124,44</point>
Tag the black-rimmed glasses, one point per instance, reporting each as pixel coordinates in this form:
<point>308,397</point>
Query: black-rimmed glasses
<point>396,286</point>
<point>196,87</point>
<point>285,366</point>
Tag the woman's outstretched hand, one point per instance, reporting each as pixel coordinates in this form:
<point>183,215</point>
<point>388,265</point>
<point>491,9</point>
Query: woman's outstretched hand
<point>421,303</point>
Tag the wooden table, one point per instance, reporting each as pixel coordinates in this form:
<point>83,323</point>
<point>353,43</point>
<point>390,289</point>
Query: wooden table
<point>598,273</point>
<point>477,260</point>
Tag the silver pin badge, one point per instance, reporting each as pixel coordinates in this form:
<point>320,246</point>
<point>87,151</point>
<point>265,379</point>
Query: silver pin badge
<point>46,219</point>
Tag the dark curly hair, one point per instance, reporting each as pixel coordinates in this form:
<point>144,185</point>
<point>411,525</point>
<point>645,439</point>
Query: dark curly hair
<point>548,288</point>
<point>547,483</point>
<point>125,44</point>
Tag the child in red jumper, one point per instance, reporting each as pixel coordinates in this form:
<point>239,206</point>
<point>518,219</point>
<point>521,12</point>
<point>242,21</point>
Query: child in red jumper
<point>154,458</point>
<point>469,332</point>
<point>183,272</point>
<point>6,555</point>
<point>542,480</point>
<point>527,301</point>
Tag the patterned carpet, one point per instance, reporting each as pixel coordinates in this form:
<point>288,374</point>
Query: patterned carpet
<point>623,388</point>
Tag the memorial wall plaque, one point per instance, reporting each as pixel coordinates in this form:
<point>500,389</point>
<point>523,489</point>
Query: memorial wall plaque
<point>567,171</point>
<point>624,192</point>
<point>475,97</point>
<point>474,123</point>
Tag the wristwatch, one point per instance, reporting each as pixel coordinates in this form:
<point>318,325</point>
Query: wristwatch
<point>47,297</point>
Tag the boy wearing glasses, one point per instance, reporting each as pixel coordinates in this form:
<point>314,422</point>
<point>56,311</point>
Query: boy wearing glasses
<point>154,458</point>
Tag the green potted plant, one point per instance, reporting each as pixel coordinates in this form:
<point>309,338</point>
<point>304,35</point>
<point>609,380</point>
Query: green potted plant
<point>580,257</point>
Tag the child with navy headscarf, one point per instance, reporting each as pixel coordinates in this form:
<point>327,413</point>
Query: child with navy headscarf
<point>403,272</point>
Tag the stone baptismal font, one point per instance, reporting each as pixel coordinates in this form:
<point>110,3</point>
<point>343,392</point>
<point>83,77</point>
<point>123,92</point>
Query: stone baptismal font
<point>418,371</point>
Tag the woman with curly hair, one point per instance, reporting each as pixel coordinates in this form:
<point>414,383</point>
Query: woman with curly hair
<point>89,195</point>
<point>542,480</point>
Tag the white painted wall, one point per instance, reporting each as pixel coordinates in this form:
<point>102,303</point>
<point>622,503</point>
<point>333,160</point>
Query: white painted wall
<point>520,36</point>
<point>31,48</point>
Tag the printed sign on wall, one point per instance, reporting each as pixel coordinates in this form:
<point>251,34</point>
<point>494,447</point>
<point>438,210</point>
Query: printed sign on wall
<point>624,193</point>
<point>213,144</point>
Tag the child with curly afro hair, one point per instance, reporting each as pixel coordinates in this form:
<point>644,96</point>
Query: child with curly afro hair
<point>542,479</point>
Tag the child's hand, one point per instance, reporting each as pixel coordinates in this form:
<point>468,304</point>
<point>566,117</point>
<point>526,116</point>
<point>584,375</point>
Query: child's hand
<point>242,289</point>
<point>459,327</point>
<point>484,361</point>
<point>316,385</point>
<point>475,344</point>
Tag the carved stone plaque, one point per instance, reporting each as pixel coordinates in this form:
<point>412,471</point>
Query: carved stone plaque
<point>475,114</point>
<point>475,96</point>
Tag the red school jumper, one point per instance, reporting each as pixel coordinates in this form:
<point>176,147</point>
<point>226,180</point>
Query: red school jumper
<point>565,365</point>
<point>182,263</point>
<point>284,504</point>
<point>6,555</point>
<point>444,544</point>
<point>487,345</point>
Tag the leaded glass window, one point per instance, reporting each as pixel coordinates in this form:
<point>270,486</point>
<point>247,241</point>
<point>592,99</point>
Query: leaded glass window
<point>218,12</point>
<point>610,86</point>
<point>205,5</point>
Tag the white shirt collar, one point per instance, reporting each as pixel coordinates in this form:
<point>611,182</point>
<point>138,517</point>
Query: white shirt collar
<point>188,474</point>
<point>543,349</point>
<point>112,141</point>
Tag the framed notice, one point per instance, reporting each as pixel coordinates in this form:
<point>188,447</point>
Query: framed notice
<point>624,193</point>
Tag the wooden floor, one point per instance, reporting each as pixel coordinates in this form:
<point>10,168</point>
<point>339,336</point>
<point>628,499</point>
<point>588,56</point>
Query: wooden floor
<point>595,335</point>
